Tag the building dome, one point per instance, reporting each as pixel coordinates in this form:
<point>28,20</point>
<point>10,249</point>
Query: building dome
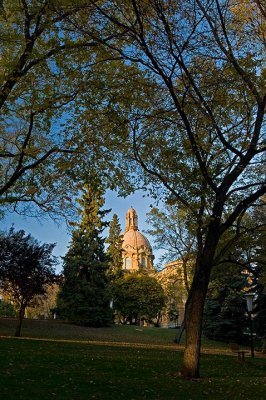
<point>137,251</point>
<point>136,240</point>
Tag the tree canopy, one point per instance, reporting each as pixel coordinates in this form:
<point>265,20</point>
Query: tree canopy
<point>53,76</point>
<point>138,297</point>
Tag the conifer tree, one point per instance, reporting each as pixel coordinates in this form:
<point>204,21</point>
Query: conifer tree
<point>225,307</point>
<point>84,297</point>
<point>114,250</point>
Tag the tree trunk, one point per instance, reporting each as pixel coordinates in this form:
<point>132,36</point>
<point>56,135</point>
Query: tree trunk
<point>179,333</point>
<point>193,322</point>
<point>263,347</point>
<point>20,320</point>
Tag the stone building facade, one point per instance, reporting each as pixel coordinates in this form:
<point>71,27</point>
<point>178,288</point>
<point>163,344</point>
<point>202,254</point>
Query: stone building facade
<point>171,277</point>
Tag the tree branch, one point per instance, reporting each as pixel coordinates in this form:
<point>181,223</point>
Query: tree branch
<point>241,207</point>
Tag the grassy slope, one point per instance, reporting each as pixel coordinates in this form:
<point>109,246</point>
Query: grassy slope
<point>48,329</point>
<point>59,330</point>
<point>77,371</point>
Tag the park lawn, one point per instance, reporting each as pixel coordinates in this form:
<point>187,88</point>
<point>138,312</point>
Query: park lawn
<point>56,329</point>
<point>119,362</point>
<point>33,369</point>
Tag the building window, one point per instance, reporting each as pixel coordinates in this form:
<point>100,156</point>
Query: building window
<point>143,262</point>
<point>127,263</point>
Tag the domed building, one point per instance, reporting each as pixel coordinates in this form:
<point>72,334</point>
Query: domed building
<point>137,252</point>
<point>137,256</point>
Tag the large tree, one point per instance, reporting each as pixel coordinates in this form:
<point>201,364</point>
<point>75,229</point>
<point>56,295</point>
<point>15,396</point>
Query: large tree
<point>26,269</point>
<point>203,135</point>
<point>138,297</point>
<point>85,297</point>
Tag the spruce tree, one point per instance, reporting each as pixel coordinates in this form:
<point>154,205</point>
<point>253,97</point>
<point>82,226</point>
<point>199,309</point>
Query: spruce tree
<point>225,308</point>
<point>84,298</point>
<point>259,271</point>
<point>114,250</point>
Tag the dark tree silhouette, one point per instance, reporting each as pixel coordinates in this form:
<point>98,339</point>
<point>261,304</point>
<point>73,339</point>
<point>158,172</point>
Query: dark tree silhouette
<point>26,269</point>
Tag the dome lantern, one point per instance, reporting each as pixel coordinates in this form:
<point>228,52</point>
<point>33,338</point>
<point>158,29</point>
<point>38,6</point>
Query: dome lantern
<point>131,220</point>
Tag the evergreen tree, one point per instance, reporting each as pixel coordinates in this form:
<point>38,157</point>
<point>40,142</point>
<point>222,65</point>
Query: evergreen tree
<point>259,270</point>
<point>225,307</point>
<point>114,250</point>
<point>260,317</point>
<point>84,297</point>
<point>7,309</point>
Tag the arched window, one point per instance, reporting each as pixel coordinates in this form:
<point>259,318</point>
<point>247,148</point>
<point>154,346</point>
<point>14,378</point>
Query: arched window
<point>127,263</point>
<point>143,262</point>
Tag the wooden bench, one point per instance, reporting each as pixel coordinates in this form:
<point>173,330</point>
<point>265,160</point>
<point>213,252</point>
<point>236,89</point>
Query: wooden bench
<point>240,353</point>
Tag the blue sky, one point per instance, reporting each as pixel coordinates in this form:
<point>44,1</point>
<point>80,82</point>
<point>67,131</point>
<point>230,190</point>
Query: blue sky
<point>49,232</point>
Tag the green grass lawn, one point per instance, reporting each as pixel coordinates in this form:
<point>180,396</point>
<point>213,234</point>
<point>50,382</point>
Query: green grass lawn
<point>50,329</point>
<point>32,369</point>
